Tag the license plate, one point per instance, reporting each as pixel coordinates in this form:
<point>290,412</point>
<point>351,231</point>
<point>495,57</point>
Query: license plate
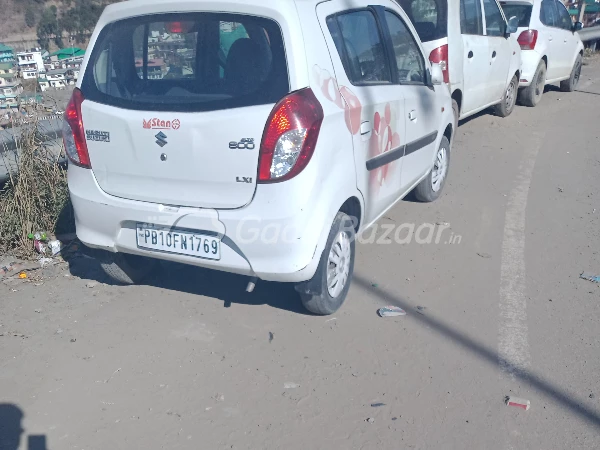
<point>181,242</point>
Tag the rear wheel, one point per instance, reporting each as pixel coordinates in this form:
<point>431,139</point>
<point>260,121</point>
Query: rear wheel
<point>571,84</point>
<point>506,106</point>
<point>532,94</point>
<point>431,187</point>
<point>326,291</point>
<point>127,269</point>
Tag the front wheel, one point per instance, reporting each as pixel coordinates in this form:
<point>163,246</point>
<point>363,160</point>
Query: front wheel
<point>326,291</point>
<point>571,84</point>
<point>506,106</point>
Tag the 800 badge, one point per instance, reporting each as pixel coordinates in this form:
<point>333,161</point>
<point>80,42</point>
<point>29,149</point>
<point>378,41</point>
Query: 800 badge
<point>244,144</point>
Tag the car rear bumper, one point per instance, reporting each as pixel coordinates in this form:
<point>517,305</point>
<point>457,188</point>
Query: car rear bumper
<point>269,239</point>
<point>530,60</point>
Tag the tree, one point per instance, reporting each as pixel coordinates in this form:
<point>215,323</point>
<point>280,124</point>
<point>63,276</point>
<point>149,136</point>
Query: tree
<point>29,17</point>
<point>48,27</point>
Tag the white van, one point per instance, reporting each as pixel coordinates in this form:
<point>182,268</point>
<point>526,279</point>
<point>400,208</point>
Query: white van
<point>252,137</point>
<point>480,57</point>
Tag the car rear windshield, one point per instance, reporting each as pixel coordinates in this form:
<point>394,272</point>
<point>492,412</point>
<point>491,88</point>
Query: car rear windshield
<point>188,62</point>
<point>429,17</point>
<point>521,12</point>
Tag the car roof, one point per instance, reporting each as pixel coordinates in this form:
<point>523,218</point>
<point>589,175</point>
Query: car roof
<point>519,2</point>
<point>127,5</point>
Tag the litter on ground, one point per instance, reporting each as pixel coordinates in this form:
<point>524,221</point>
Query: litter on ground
<point>518,402</point>
<point>391,311</point>
<point>590,277</point>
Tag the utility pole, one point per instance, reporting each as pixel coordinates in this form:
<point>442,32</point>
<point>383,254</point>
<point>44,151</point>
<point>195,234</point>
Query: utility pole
<point>581,10</point>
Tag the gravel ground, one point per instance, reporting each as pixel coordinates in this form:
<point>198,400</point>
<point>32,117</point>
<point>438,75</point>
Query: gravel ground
<point>495,309</point>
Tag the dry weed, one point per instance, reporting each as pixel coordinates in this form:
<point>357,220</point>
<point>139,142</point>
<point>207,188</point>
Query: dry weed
<point>37,197</point>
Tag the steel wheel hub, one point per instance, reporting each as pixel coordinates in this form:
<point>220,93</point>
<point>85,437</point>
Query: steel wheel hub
<point>510,95</point>
<point>338,264</point>
<point>440,169</point>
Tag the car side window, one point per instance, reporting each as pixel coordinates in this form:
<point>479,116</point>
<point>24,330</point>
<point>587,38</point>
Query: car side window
<point>409,60</point>
<point>358,41</point>
<point>494,22</point>
<point>548,13</point>
<point>470,17</point>
<point>564,19</point>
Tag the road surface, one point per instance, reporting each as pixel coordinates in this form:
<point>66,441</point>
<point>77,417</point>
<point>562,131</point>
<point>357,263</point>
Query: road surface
<point>496,308</point>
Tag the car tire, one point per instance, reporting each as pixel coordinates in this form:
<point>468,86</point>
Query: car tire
<point>532,94</point>
<point>571,84</point>
<point>456,112</point>
<point>127,269</point>
<point>506,106</point>
<point>322,294</point>
<point>432,185</point>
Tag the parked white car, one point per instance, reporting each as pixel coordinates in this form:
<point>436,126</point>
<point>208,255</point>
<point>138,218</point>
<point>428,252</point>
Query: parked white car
<point>474,44</point>
<point>552,50</point>
<point>252,137</point>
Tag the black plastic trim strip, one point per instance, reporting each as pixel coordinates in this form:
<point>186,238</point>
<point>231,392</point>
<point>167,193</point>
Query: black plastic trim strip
<point>397,153</point>
<point>420,143</point>
<point>385,158</point>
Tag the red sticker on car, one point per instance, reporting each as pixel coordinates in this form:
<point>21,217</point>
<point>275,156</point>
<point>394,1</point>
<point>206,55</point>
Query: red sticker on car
<point>158,124</point>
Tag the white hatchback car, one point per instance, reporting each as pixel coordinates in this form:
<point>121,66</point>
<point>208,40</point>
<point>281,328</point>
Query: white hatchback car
<point>552,50</point>
<point>254,138</point>
<point>475,46</point>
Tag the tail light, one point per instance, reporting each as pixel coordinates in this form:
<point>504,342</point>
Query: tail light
<point>440,56</point>
<point>527,39</point>
<point>290,137</point>
<point>179,27</point>
<point>73,133</point>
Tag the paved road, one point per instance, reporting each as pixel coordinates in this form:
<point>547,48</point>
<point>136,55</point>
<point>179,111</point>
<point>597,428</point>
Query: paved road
<point>188,362</point>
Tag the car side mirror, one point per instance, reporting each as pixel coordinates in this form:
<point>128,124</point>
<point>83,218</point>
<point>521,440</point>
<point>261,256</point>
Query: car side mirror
<point>512,26</point>
<point>437,76</point>
<point>577,26</point>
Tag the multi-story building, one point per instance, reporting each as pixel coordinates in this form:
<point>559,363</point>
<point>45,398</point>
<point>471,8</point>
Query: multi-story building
<point>60,78</point>
<point>30,63</point>
<point>7,53</point>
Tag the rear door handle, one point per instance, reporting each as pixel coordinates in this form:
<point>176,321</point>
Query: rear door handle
<point>365,127</point>
<point>494,54</point>
<point>470,55</point>
<point>550,38</point>
<point>365,130</point>
<point>412,115</point>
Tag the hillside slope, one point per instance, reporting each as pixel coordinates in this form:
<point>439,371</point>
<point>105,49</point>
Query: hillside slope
<point>24,19</point>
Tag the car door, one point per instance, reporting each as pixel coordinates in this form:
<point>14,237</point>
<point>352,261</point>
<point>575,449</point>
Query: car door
<point>549,34</point>
<point>375,112</point>
<point>500,52</point>
<point>421,101</point>
<point>567,41</point>
<point>475,60</point>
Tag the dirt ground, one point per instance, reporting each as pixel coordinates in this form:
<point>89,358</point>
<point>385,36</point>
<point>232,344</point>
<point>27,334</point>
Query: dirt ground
<point>495,309</point>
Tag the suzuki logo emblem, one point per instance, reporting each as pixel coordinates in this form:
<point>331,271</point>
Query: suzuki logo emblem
<point>161,139</point>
